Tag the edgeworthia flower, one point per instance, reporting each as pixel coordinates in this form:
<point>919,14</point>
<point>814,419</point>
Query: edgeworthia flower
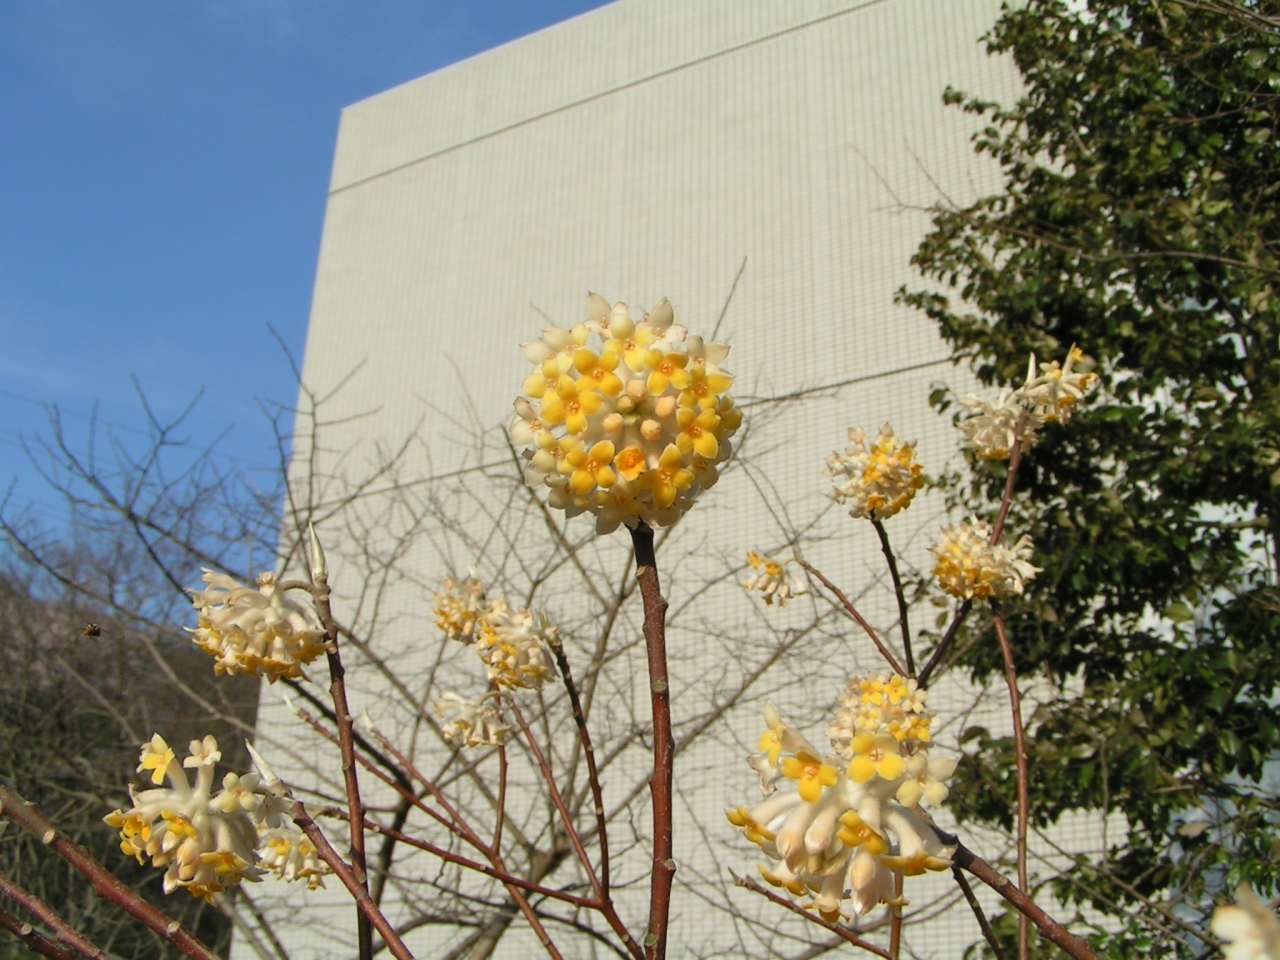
<point>968,566</point>
<point>1250,928</point>
<point>774,579</point>
<point>206,841</point>
<point>850,818</point>
<point>470,723</point>
<point>260,630</point>
<point>508,639</point>
<point>625,420</point>
<point>875,480</point>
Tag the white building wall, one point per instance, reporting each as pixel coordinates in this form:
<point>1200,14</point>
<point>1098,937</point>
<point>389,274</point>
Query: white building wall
<point>642,150</point>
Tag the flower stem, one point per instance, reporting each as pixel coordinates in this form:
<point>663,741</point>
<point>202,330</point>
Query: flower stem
<point>976,907</point>
<point>661,784</point>
<point>1019,744</point>
<point>897,592</point>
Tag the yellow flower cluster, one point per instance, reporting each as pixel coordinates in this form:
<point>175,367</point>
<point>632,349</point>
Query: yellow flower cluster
<point>876,480</point>
<point>842,830</point>
<point>969,567</point>
<point>260,631</point>
<point>774,580</point>
<point>207,842</point>
<point>506,638</point>
<point>623,420</point>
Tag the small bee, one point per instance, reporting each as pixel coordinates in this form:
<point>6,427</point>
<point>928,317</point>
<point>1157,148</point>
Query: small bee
<point>92,631</point>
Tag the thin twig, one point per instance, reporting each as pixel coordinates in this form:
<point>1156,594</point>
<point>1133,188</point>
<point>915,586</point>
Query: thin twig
<point>661,785</point>
<point>36,941</point>
<point>853,612</point>
<point>978,912</point>
<point>962,613</point>
<point>105,882</point>
<point>848,935</point>
<point>897,592</point>
<point>1019,745</point>
<point>895,919</point>
<point>45,914</point>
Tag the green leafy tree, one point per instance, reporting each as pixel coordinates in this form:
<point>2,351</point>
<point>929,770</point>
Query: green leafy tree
<point>1138,219</point>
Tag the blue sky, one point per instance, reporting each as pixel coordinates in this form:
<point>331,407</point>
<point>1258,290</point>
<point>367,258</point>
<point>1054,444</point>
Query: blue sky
<point>163,168</point>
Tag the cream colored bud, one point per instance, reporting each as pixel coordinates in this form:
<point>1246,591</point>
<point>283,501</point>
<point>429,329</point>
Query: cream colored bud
<point>612,423</point>
<point>651,429</point>
<point>665,406</point>
<point>319,568</point>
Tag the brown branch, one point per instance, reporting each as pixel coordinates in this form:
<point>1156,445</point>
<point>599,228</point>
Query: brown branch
<point>1024,804</point>
<point>661,785</point>
<point>105,882</point>
<point>1049,928</point>
<point>947,638</point>
<point>36,941</point>
<point>359,892</point>
<point>895,919</point>
<point>897,592</point>
<point>795,908</point>
<point>44,913</point>
<point>1015,458</point>
<point>979,915</point>
<point>342,713</point>
<point>853,612</point>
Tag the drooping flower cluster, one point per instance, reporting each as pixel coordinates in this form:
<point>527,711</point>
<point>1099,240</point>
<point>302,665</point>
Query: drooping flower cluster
<point>1249,927</point>
<point>505,637</point>
<point>628,429</point>
<point>1050,394</point>
<point>773,578</point>
<point>471,723</point>
<point>260,631</point>
<point>207,842</point>
<point>970,567</point>
<point>876,480</point>
<point>850,819</point>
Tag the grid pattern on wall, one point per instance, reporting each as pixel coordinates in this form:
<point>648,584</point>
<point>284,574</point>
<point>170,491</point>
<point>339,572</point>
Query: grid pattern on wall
<point>650,148</point>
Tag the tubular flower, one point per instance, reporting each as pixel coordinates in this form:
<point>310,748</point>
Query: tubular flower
<point>875,480</point>
<point>834,835</point>
<point>774,580</point>
<point>474,723</point>
<point>260,631</point>
<point>1251,930</point>
<point>290,855</point>
<point>1050,393</point>
<point>969,566</point>
<point>505,638</point>
<point>631,429</point>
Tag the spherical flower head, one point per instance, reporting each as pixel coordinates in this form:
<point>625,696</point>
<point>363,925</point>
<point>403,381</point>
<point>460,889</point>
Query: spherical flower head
<point>969,567</point>
<point>1251,931</point>
<point>261,631</point>
<point>515,647</point>
<point>627,421</point>
<point>777,579</point>
<point>875,480</point>
<point>459,606</point>
<point>470,723</point>
<point>204,842</point>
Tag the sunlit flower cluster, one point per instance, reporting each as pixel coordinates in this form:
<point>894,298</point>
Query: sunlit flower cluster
<point>623,420</point>
<point>470,723</point>
<point>259,631</point>
<point>876,480</point>
<point>1050,394</point>
<point>970,567</point>
<point>848,820</point>
<point>206,841</point>
<point>506,638</point>
<point>1250,929</point>
<point>777,579</point>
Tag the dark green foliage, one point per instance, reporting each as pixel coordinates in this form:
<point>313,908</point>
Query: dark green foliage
<point>1138,220</point>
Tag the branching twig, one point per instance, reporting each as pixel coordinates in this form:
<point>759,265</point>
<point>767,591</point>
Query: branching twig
<point>44,913</point>
<point>978,913</point>
<point>853,612</point>
<point>36,941</point>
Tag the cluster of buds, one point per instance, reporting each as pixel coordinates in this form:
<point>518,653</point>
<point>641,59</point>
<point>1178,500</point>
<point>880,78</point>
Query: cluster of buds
<point>773,578</point>
<point>206,841</point>
<point>970,567</point>
<point>1050,394</point>
<point>260,631</point>
<point>851,819</point>
<point>505,637</point>
<point>628,429</point>
<point>875,480</point>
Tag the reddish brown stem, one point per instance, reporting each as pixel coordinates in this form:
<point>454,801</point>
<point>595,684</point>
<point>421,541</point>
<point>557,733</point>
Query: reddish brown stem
<point>1049,928</point>
<point>795,908</point>
<point>103,880</point>
<point>983,923</point>
<point>44,913</point>
<point>895,920</point>
<point>342,712</point>
<point>1019,745</point>
<point>359,892</point>
<point>35,941</point>
<point>899,593</point>
<point>1015,458</point>
<point>661,784</point>
<point>954,628</point>
<point>853,612</point>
